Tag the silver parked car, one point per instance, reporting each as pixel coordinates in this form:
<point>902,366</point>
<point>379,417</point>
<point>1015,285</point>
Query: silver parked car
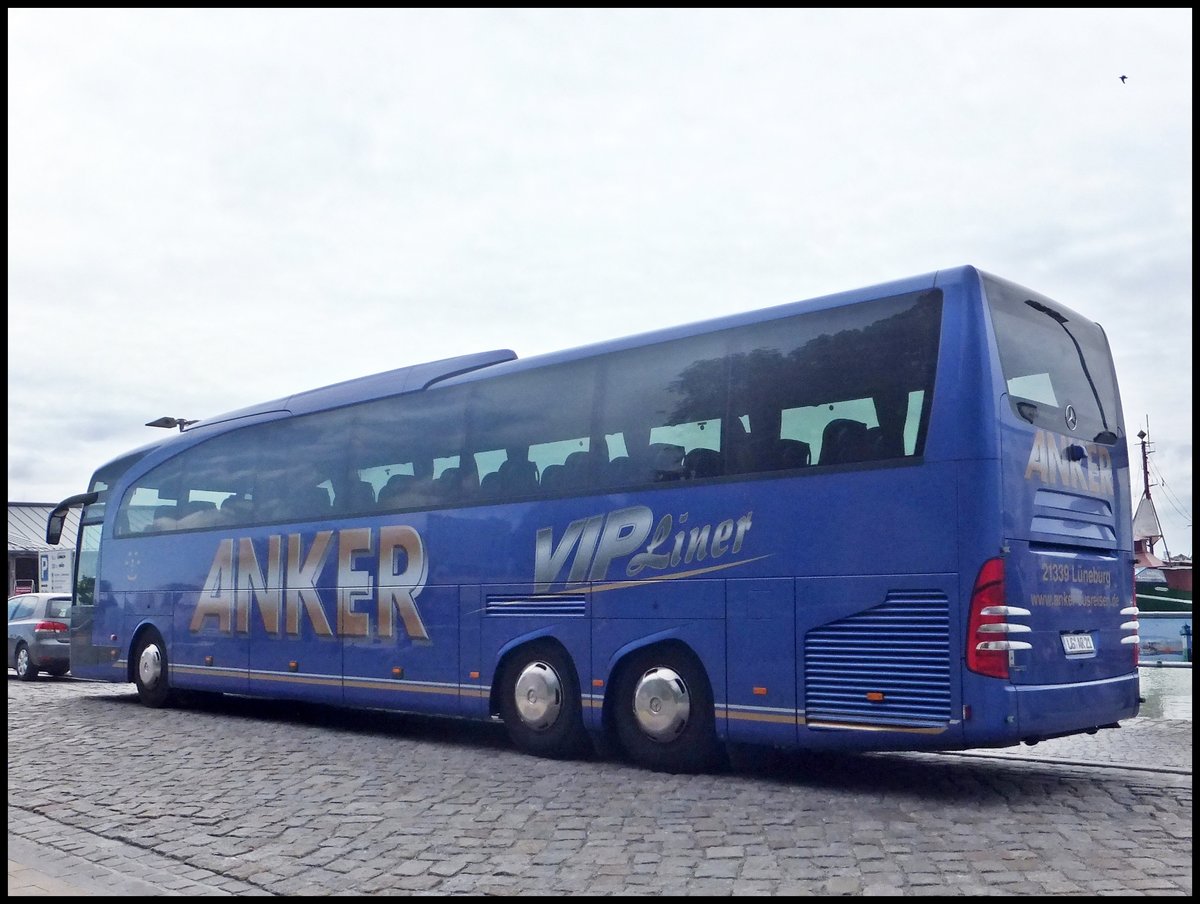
<point>39,634</point>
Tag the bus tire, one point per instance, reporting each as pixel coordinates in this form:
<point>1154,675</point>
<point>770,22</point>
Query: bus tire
<point>663,712</point>
<point>150,671</point>
<point>540,703</point>
<point>23,663</point>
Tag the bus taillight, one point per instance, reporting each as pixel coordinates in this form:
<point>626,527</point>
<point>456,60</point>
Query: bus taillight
<point>1137,644</point>
<point>988,630</point>
<point>1132,612</point>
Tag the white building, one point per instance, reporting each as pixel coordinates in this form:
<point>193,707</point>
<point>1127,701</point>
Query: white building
<point>33,564</point>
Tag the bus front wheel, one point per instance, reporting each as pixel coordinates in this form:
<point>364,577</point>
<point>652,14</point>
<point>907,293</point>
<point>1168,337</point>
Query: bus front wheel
<point>540,703</point>
<point>150,671</point>
<point>663,712</point>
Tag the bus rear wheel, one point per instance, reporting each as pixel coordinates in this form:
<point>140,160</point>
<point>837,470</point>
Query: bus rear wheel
<point>663,712</point>
<point>540,703</point>
<point>151,673</point>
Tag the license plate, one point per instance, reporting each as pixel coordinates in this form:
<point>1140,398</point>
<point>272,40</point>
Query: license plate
<point>1078,643</point>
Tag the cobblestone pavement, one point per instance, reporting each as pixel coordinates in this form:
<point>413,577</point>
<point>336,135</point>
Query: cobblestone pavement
<point>239,797</point>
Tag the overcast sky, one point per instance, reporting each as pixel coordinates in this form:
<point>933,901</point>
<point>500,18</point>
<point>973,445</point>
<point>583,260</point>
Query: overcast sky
<point>211,208</point>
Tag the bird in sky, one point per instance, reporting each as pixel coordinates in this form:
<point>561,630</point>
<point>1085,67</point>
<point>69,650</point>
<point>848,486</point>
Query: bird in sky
<point>1123,79</point>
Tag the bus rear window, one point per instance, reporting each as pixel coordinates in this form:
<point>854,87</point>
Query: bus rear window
<point>1058,370</point>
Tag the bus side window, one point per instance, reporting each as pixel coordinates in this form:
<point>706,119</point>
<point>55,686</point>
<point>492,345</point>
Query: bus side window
<point>237,510</point>
<point>518,477</point>
<point>894,411</point>
<point>701,463</point>
<point>762,448</point>
<point>468,478</point>
<point>164,517</point>
<point>359,496</point>
<point>288,500</point>
<point>880,445</point>
<point>844,441</point>
<point>352,495</point>
<point>512,479</point>
<point>554,479</point>
<point>395,491</point>
<point>456,484</point>
<point>197,513</point>
<point>622,472</point>
<point>794,453</point>
<point>312,501</point>
<point>581,469</point>
<point>666,460</point>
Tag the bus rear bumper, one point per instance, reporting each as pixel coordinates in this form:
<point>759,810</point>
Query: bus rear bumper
<point>1053,710</point>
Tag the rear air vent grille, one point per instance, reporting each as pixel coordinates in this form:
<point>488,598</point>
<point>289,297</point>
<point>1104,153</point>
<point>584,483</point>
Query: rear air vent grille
<point>887,666</point>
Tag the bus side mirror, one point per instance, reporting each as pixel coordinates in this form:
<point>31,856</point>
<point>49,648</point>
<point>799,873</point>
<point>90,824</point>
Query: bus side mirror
<point>54,527</point>
<point>58,517</point>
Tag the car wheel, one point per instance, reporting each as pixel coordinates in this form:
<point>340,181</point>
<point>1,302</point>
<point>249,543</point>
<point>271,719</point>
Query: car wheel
<point>151,673</point>
<point>26,670</point>
<point>540,705</point>
<point>663,712</point>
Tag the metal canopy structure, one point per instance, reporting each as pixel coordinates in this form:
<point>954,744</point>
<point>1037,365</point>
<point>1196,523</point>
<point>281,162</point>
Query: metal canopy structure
<point>27,542</point>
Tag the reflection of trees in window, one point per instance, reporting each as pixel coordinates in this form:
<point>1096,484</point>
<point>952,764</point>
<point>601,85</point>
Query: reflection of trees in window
<point>891,354</point>
<point>876,355</point>
<point>700,389</point>
<point>755,381</point>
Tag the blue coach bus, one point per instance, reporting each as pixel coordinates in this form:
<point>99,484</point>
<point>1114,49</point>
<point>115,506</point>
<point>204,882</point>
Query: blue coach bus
<point>891,519</point>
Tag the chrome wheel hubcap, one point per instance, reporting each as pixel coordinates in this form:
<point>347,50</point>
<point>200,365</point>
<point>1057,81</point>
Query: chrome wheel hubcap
<point>150,665</point>
<point>661,704</point>
<point>539,696</point>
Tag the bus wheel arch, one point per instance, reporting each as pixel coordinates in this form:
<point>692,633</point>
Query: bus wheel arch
<point>537,694</point>
<point>660,709</point>
<point>149,668</point>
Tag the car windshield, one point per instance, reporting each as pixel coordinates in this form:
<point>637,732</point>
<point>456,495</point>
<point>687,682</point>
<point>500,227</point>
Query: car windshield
<point>58,608</point>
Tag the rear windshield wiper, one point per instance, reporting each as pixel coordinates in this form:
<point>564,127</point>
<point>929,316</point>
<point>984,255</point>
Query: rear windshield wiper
<point>1062,321</point>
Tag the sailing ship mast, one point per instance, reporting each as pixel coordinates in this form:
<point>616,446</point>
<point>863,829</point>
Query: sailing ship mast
<point>1146,527</point>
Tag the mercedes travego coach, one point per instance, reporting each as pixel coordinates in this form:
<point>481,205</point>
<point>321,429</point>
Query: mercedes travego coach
<point>896,518</point>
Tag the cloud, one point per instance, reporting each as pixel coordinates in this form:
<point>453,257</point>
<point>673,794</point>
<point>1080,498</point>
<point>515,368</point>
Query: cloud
<point>208,208</point>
